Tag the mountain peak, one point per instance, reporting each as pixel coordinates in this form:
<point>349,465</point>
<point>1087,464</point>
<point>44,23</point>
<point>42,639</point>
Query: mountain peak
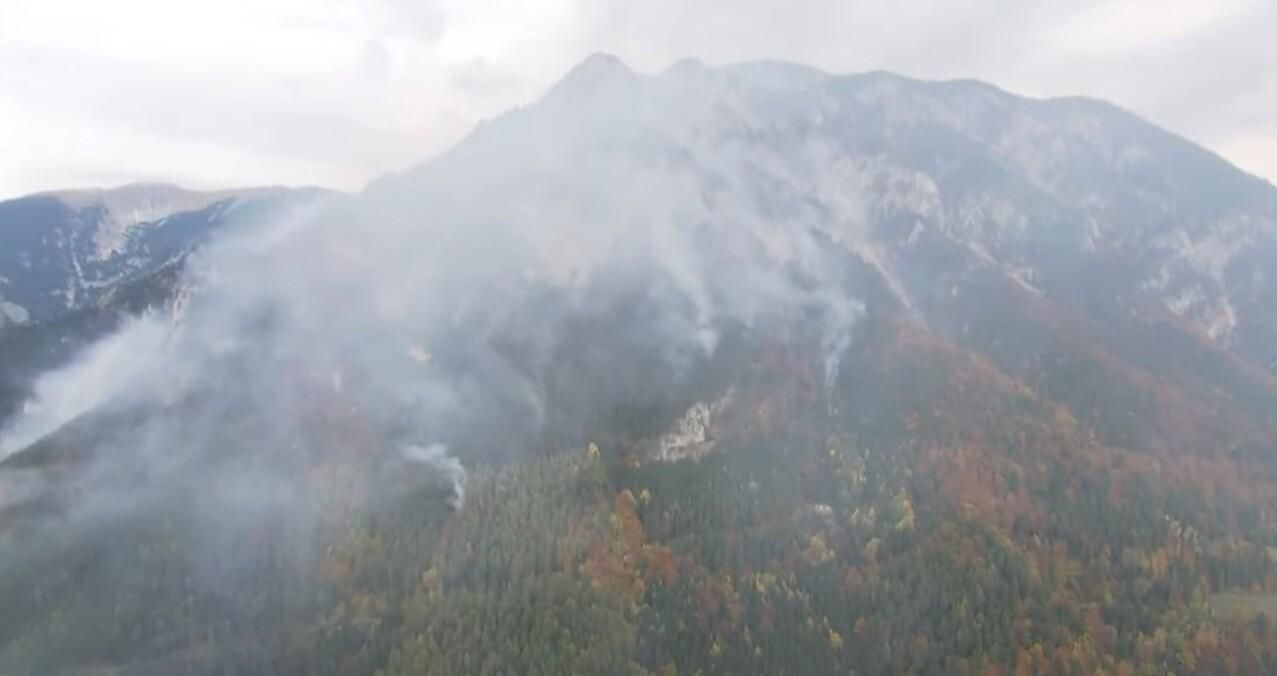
<point>601,62</point>
<point>598,71</point>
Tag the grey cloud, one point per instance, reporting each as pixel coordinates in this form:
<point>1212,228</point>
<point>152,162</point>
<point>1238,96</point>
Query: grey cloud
<point>421,18</point>
<point>1214,81</point>
<point>267,115</point>
<point>374,59</point>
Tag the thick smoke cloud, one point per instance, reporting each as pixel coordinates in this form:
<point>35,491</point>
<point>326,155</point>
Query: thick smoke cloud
<point>430,312</point>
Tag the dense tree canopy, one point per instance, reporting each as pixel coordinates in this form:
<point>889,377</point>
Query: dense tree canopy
<point>936,518</point>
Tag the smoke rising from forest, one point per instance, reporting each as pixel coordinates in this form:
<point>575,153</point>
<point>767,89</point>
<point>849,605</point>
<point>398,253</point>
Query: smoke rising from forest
<point>435,310</point>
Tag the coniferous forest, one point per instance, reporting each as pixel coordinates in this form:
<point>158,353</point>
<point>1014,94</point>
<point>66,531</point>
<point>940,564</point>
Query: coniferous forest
<point>929,516</point>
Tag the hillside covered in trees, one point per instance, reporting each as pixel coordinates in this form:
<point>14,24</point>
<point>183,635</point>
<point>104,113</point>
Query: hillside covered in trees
<point>741,370</point>
<point>939,519</point>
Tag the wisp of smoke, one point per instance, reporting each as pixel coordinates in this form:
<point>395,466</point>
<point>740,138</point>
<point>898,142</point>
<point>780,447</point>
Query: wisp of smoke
<point>436,456</point>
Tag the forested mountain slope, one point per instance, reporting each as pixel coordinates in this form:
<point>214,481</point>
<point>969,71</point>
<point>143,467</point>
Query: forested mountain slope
<point>751,369</point>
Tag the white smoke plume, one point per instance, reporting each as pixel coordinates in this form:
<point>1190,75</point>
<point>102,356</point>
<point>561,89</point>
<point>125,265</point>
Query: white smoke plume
<point>444,300</point>
<point>436,456</point>
<point>102,372</point>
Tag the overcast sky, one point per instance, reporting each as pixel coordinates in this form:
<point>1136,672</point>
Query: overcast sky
<point>217,93</point>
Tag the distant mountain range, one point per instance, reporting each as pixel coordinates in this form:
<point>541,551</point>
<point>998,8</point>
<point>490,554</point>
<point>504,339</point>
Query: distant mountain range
<point>766,369</point>
<point>75,263</point>
<point>60,251</point>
